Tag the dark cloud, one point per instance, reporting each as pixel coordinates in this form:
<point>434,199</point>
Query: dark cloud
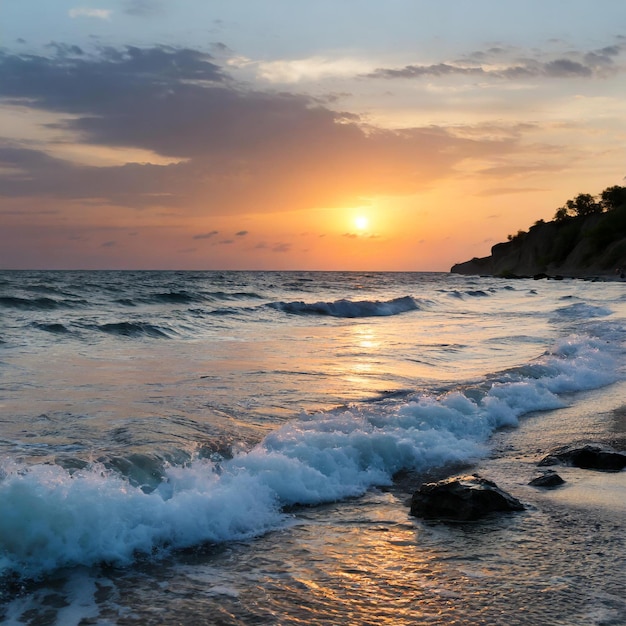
<point>417,71</point>
<point>564,68</point>
<point>560,68</point>
<point>241,233</point>
<point>603,57</point>
<point>477,64</point>
<point>64,50</point>
<point>113,83</point>
<point>238,149</point>
<point>108,244</point>
<point>207,235</point>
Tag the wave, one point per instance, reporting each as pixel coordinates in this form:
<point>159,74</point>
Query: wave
<point>39,288</point>
<point>475,293</point>
<point>186,297</point>
<point>582,310</point>
<point>113,512</point>
<point>125,301</point>
<point>349,308</point>
<point>236,295</point>
<point>133,329</point>
<point>38,304</point>
<point>176,297</point>
<point>55,328</point>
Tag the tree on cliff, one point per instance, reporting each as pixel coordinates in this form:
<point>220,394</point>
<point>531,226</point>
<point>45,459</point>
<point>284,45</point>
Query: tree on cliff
<point>582,205</point>
<point>587,236</point>
<point>585,204</point>
<point>613,198</point>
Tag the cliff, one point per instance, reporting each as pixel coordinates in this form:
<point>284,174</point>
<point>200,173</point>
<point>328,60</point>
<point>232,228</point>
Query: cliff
<point>581,246</point>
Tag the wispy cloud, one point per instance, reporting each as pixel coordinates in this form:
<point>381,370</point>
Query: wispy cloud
<point>313,68</point>
<point>207,235</point>
<point>100,14</point>
<point>281,247</point>
<point>493,63</point>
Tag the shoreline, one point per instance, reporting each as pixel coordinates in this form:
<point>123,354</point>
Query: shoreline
<point>560,561</point>
<point>572,275</point>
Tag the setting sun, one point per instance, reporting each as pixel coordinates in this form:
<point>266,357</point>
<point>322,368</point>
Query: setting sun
<point>361,222</point>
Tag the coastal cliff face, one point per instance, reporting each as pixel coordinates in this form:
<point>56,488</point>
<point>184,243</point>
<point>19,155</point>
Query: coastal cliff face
<point>582,246</point>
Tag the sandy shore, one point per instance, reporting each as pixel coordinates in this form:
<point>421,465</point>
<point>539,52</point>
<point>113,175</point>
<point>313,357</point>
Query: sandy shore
<point>560,562</point>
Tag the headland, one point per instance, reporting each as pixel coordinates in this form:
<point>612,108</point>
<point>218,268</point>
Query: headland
<point>586,239</point>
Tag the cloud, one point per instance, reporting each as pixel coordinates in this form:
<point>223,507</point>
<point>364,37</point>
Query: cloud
<point>417,71</point>
<point>516,171</point>
<point>241,233</point>
<point>237,149</point>
<point>503,191</point>
<point>281,247</point>
<point>565,68</point>
<point>559,68</point>
<point>313,68</point>
<point>207,235</point>
<point>100,14</point>
<point>493,63</point>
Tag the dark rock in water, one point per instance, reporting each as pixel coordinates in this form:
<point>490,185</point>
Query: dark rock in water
<point>590,456</point>
<point>540,276</point>
<point>549,480</point>
<point>461,498</point>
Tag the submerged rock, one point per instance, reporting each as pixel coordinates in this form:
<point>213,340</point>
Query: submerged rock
<point>461,498</point>
<point>548,480</point>
<point>590,456</point>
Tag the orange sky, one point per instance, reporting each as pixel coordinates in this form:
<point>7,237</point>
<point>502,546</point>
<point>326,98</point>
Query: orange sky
<point>143,135</point>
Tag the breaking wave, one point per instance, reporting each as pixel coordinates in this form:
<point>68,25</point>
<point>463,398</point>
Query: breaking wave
<point>112,512</point>
<point>349,308</point>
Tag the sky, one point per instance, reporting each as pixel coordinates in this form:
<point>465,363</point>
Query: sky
<point>283,134</point>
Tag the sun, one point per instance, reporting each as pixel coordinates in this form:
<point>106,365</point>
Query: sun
<point>361,222</point>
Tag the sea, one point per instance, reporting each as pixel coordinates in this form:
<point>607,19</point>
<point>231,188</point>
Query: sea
<point>235,448</point>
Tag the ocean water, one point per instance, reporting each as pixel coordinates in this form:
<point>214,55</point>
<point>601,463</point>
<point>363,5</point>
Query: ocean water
<point>238,447</point>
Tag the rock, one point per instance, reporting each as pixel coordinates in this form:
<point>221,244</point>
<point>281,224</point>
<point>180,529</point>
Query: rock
<point>548,480</point>
<point>461,498</point>
<point>590,456</point>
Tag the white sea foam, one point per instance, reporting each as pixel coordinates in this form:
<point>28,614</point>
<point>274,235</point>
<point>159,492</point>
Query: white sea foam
<point>51,518</point>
